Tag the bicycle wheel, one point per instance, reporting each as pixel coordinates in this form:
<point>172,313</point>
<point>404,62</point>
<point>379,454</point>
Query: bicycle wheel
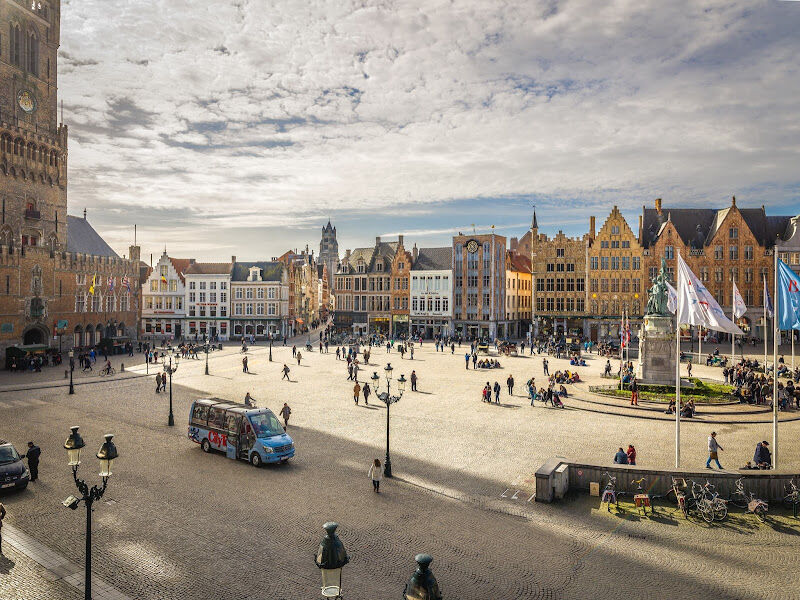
<point>706,511</point>
<point>720,510</point>
<point>790,500</point>
<point>738,502</point>
<point>761,513</point>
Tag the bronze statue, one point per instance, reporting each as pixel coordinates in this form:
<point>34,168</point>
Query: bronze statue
<point>659,294</point>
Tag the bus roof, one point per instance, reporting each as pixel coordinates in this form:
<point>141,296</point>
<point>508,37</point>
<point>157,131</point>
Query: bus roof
<point>227,405</point>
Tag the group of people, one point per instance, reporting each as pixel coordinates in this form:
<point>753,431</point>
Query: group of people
<point>688,408</point>
<point>625,457</point>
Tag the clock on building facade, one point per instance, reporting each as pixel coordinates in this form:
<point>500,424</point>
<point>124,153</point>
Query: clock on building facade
<point>26,101</point>
<point>472,246</point>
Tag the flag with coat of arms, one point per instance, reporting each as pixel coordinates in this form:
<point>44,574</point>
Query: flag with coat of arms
<point>697,305</point>
<point>739,307</point>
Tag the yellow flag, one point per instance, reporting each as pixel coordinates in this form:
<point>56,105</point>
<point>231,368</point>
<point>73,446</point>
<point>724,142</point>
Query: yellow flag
<point>91,287</point>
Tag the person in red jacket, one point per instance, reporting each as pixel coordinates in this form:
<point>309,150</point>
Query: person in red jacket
<point>631,454</point>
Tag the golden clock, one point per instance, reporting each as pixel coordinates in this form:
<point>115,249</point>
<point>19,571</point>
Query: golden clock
<point>472,246</point>
<point>26,101</point>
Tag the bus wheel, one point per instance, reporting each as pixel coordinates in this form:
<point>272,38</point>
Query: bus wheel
<point>255,460</point>
<point>206,446</point>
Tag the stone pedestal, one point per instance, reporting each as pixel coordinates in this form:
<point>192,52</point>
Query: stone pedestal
<point>657,350</point>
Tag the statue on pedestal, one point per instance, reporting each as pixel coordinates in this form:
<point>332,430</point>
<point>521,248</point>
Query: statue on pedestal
<point>658,294</point>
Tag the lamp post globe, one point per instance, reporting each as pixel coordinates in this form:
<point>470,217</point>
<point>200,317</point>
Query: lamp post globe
<point>422,585</point>
<point>331,557</point>
<point>401,383</point>
<point>375,377</point>
<point>106,455</point>
<point>73,446</point>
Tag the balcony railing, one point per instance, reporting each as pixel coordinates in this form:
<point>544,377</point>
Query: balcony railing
<point>32,214</point>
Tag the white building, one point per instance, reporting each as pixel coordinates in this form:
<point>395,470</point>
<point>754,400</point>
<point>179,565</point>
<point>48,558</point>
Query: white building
<point>163,294</point>
<point>259,305</point>
<point>431,291</point>
<point>208,301</point>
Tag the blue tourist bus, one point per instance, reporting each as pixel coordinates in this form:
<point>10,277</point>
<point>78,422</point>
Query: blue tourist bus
<point>241,432</point>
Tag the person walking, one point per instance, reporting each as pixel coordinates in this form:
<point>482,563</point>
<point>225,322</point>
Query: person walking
<point>510,384</point>
<point>298,357</point>
<point>713,450</point>
<point>158,383</point>
<point>244,365</point>
<point>376,474</point>
<point>350,372</point>
<point>474,361</point>
<point>285,372</point>
<point>33,454</point>
<point>285,412</point>
<point>413,381</point>
<point>546,367</point>
<point>466,360</point>
<point>366,391</point>
<point>2,516</point>
<point>634,393</point>
<point>356,392</point>
<point>496,392</point>
<point>294,351</point>
<point>411,351</point>
<point>689,367</point>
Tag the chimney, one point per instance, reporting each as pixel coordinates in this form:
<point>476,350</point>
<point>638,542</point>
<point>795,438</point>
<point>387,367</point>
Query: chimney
<point>591,227</point>
<point>415,253</point>
<point>658,205</point>
<point>733,201</point>
<point>640,228</point>
<point>347,255</point>
<point>399,240</point>
<point>84,214</point>
<point>233,259</point>
<point>377,240</point>
<point>191,261</point>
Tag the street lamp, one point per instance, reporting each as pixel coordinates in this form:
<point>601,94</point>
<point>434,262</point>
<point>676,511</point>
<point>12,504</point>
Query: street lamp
<point>271,336</point>
<point>170,369</point>
<point>207,349</point>
<point>422,585</point>
<point>388,400</point>
<point>106,455</point>
<point>71,369</point>
<point>331,557</point>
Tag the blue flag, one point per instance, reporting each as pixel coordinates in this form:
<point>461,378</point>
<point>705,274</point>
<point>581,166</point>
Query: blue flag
<point>767,300</point>
<point>788,297</point>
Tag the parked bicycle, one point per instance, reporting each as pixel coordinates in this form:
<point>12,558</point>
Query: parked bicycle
<point>641,499</point>
<point>701,503</point>
<point>748,501</point>
<point>792,498</point>
<point>610,493</point>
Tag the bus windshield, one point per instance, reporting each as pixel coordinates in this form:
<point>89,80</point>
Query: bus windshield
<point>266,425</point>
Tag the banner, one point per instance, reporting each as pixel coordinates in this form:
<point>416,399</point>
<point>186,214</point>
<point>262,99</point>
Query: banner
<point>697,305</point>
<point>788,297</point>
<point>739,307</point>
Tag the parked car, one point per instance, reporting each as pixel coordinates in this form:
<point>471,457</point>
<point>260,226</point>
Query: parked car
<point>13,472</point>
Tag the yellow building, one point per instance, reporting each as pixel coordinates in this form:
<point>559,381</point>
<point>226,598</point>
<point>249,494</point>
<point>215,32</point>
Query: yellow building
<point>519,294</point>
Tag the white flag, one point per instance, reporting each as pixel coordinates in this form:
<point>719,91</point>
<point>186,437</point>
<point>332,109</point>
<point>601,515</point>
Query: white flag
<point>739,307</point>
<point>672,300</point>
<point>698,306</point>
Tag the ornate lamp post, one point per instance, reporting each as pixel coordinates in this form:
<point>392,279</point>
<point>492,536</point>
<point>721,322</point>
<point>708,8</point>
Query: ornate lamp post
<point>422,585</point>
<point>271,336</point>
<point>388,400</point>
<point>331,557</point>
<point>169,368</point>
<point>71,369</point>
<point>106,455</point>
<point>207,350</point>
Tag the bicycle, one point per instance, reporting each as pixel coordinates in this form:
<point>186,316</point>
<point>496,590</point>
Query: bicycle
<point>792,499</point>
<point>641,498</point>
<point>107,371</point>
<point>748,501</point>
<point>610,493</point>
<point>719,506</point>
<point>701,503</point>
<point>678,489</point>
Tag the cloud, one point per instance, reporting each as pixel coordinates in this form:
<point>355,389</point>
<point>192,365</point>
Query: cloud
<point>235,114</point>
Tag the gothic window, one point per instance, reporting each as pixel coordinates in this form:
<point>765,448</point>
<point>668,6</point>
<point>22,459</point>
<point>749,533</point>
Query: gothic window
<point>33,53</point>
<point>15,45</point>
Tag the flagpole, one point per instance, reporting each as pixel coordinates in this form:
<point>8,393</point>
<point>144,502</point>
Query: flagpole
<point>733,318</point>
<point>776,324</point>
<point>699,343</point>
<point>766,326</point>
<point>678,368</point>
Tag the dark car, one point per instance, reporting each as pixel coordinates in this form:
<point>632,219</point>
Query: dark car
<point>13,472</point>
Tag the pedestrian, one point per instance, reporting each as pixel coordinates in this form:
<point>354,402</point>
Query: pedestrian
<point>285,412</point>
<point>510,384</point>
<point>285,373</point>
<point>620,458</point>
<point>356,392</point>
<point>338,354</point>
<point>366,391</point>
<point>689,367</point>
<point>299,356</point>
<point>2,516</point>
<point>474,360</point>
<point>375,474</point>
<point>631,453</point>
<point>294,351</point>
<point>249,400</point>
<point>634,393</point>
<point>496,392</point>
<point>411,351</point>
<point>350,371</point>
<point>413,381</point>
<point>713,450</point>
<point>466,360</point>
<point>546,367</point>
<point>158,383</point>
<point>244,365</point>
<point>32,455</point>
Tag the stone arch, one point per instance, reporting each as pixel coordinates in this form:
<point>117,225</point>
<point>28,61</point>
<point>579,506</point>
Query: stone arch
<point>98,333</point>
<point>35,334</point>
<point>88,336</point>
<point>76,335</point>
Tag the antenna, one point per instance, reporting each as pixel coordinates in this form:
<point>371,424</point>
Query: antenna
<point>473,228</point>
<point>134,234</point>
<point>62,111</point>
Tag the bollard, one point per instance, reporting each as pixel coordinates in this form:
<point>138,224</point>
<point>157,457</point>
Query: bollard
<point>122,368</point>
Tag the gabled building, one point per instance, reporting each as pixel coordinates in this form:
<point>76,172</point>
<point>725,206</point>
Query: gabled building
<point>259,300</point>
<point>401,269</point>
<point>431,312</point>
<point>207,300</point>
<point>163,294</point>
<point>519,295</point>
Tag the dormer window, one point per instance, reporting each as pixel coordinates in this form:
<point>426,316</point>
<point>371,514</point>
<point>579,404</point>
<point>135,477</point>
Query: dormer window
<point>255,274</point>
<point>380,266</point>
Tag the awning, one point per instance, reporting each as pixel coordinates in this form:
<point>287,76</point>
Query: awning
<point>299,321</point>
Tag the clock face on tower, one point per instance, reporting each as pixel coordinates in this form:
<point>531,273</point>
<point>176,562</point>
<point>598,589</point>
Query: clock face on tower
<point>472,246</point>
<point>26,101</point>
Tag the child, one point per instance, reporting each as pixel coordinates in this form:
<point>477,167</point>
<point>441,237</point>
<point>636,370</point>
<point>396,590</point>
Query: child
<point>375,474</point>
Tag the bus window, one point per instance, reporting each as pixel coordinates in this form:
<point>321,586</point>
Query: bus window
<point>200,415</point>
<point>233,423</point>
<point>216,418</point>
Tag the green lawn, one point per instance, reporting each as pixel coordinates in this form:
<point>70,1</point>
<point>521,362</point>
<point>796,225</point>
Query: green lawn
<point>704,392</point>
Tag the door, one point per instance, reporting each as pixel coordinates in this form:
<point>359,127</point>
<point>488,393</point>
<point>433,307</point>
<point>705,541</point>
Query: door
<point>234,423</point>
<point>246,439</point>
<point>178,331</point>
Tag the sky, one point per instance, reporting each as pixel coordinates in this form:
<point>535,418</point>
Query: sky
<point>239,127</point>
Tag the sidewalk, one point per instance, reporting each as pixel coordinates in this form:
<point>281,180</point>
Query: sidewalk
<point>31,570</point>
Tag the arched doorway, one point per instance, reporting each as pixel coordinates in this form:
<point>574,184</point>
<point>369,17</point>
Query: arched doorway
<point>34,335</point>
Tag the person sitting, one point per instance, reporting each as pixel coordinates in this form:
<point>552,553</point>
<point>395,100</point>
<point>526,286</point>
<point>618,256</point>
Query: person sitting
<point>686,411</point>
<point>762,457</point>
<point>562,390</point>
<point>556,400</point>
<point>671,408</point>
<point>621,457</point>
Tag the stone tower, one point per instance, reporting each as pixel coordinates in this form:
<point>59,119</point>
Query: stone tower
<point>329,249</point>
<point>33,145</point>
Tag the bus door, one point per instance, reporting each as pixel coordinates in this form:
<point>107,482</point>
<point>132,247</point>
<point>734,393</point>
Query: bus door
<point>233,425</point>
<point>246,438</point>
